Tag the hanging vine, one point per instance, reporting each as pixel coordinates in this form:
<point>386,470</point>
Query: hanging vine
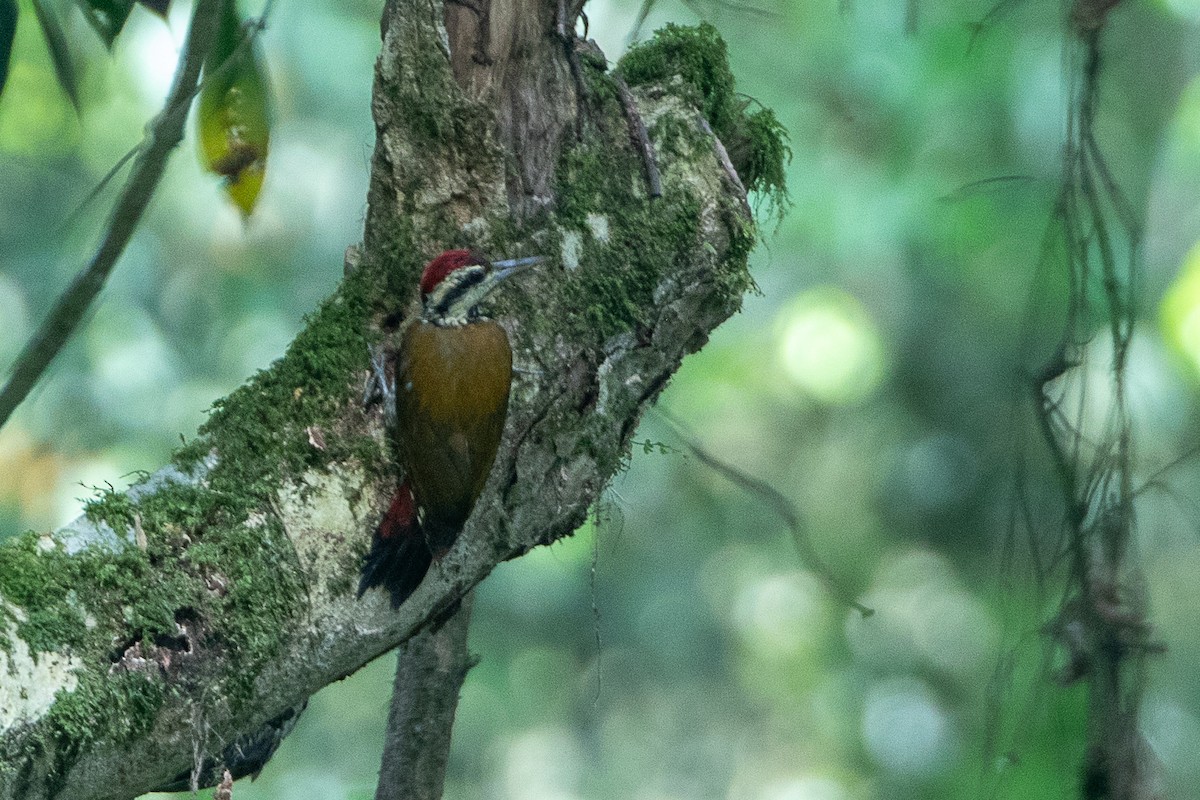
<point>1100,626</point>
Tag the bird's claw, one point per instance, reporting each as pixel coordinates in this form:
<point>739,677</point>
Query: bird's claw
<point>378,387</point>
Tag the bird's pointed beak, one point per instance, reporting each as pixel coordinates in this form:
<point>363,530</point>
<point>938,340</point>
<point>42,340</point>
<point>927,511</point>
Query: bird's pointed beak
<point>503,269</point>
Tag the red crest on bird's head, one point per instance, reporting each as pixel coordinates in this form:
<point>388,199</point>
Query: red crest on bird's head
<point>437,270</point>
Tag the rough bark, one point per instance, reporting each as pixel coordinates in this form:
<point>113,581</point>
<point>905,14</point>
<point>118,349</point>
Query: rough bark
<point>150,636</point>
<point>422,713</point>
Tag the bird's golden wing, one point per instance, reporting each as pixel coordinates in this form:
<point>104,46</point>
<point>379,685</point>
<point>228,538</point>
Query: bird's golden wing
<point>452,386</point>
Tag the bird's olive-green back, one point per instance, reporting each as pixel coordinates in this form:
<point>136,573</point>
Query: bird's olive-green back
<point>452,387</point>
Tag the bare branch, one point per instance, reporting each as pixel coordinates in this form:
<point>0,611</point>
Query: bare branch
<point>780,505</point>
<point>430,670</point>
<point>637,132</point>
<point>165,134</point>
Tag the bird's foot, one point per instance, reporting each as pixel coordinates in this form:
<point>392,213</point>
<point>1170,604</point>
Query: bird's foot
<point>378,386</point>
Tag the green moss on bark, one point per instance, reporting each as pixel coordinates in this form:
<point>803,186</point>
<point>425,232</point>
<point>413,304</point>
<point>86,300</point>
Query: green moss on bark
<point>210,567</point>
<point>259,431</point>
<point>91,606</point>
<point>696,54</point>
<point>756,141</point>
<point>118,708</point>
<point>611,288</point>
<point>211,557</point>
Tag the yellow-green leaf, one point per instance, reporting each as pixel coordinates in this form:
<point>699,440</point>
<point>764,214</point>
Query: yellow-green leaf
<point>234,114</point>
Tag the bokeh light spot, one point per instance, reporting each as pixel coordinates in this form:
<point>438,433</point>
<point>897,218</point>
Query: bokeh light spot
<point>133,365</point>
<point>1172,730</point>
<point>15,313</point>
<point>255,341</point>
<point>153,52</point>
<point>829,347</point>
<point>1180,311</point>
<point>37,116</point>
<point>780,615</point>
<point>1187,9</point>
<point>29,473</point>
<point>543,764</point>
<point>808,787</point>
<point>904,728</point>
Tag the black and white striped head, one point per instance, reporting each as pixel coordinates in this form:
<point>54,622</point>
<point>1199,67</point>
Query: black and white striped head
<point>457,281</point>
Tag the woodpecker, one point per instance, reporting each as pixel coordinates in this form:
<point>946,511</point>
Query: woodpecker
<point>453,370</point>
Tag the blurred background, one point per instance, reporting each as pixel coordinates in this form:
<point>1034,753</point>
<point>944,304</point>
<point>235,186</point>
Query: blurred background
<point>677,647</point>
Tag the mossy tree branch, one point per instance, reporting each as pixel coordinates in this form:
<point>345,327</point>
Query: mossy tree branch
<point>138,644</point>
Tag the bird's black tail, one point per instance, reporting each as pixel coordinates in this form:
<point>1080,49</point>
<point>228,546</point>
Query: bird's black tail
<point>400,555</point>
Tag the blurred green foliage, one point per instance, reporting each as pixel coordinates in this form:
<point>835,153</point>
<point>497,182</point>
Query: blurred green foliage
<point>678,648</point>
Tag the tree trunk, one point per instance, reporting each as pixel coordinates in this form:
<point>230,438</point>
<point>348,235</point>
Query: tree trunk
<point>430,670</point>
<point>150,640</point>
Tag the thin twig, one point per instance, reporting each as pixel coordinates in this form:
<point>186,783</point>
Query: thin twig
<point>637,132</point>
<point>912,17</point>
<point>723,156</point>
<point>638,22</point>
<point>100,186</point>
<point>1100,625</point>
<point>779,504</point>
<point>970,189</point>
<point>993,15</point>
